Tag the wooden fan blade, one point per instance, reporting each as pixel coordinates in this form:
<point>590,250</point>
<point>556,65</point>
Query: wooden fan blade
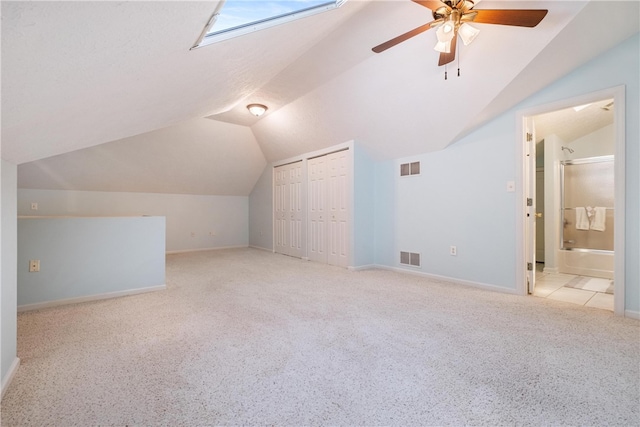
<point>431,4</point>
<point>518,17</point>
<point>445,58</point>
<point>397,40</point>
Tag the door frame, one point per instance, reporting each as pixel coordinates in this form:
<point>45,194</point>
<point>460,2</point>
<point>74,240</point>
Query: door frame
<point>618,95</point>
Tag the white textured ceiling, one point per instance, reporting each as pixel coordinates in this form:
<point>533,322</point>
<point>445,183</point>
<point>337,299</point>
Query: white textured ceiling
<point>569,124</point>
<point>119,77</point>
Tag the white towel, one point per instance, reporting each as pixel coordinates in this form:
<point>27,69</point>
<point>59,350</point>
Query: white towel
<point>582,219</point>
<point>599,217</point>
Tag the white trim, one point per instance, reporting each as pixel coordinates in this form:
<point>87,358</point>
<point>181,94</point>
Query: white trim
<point>363,267</point>
<point>108,295</point>
<point>218,248</point>
<point>618,95</point>
<point>206,38</point>
<point>632,314</point>
<point>13,369</point>
<point>261,248</point>
<point>472,284</point>
<point>333,149</point>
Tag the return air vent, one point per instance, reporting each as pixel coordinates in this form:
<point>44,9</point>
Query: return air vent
<point>410,258</point>
<point>407,169</point>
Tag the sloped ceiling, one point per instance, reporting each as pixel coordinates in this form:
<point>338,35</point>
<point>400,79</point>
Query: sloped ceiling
<point>117,82</point>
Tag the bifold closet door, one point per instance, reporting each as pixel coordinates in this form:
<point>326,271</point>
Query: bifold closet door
<point>329,199</point>
<point>288,209</point>
<point>338,198</point>
<point>317,170</point>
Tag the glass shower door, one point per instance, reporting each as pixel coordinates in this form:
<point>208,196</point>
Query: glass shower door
<point>587,184</point>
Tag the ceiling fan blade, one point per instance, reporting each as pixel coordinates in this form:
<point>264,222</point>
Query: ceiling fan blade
<point>431,4</point>
<point>403,37</point>
<point>445,58</point>
<point>518,17</point>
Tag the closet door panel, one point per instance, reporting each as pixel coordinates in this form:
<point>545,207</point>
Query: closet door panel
<point>338,208</point>
<point>317,209</point>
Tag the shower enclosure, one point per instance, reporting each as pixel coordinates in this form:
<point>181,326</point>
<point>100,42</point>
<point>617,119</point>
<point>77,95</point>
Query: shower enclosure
<point>587,217</point>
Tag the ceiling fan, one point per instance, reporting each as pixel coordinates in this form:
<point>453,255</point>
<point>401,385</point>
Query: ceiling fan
<point>451,18</point>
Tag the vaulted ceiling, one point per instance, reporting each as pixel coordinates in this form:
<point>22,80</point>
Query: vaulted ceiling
<point>107,95</point>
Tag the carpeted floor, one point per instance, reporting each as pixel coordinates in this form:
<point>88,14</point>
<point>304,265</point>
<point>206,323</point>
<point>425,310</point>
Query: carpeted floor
<point>246,337</point>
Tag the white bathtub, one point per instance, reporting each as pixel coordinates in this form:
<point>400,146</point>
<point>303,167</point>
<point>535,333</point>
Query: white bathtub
<point>586,262</point>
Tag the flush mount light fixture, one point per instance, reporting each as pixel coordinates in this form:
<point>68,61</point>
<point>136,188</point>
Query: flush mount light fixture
<point>257,109</point>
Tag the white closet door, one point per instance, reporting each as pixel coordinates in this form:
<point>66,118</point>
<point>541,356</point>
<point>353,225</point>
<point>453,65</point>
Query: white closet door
<point>279,208</point>
<point>338,197</point>
<point>295,210</point>
<point>317,170</point>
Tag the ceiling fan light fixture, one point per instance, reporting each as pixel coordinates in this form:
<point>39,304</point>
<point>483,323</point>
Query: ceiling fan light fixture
<point>443,47</point>
<point>445,32</point>
<point>468,33</point>
<point>257,109</point>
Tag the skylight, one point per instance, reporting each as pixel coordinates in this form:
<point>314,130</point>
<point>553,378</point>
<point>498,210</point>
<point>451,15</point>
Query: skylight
<point>238,17</point>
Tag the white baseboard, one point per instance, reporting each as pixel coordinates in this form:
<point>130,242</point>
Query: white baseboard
<point>261,248</point>
<point>632,314</point>
<point>47,304</point>
<point>463,282</point>
<point>219,248</point>
<point>362,267</point>
<point>9,377</point>
<point>550,270</point>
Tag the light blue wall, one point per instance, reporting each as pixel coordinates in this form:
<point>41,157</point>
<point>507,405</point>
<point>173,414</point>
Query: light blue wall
<point>261,211</point>
<point>460,198</point>
<point>363,207</point>
<point>8,326</point>
<point>385,212</point>
<point>226,216</point>
<point>81,257</point>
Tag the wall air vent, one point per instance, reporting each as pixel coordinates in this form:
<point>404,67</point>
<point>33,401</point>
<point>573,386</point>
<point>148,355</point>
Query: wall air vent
<point>407,169</point>
<point>410,258</point>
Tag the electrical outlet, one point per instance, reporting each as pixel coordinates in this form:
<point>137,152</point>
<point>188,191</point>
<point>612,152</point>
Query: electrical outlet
<point>34,206</point>
<point>34,265</point>
<point>453,251</point>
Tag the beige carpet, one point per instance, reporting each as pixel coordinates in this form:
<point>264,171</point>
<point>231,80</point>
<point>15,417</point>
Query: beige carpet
<point>246,337</point>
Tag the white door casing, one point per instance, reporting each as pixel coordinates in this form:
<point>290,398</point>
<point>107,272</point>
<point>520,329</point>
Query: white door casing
<point>529,141</point>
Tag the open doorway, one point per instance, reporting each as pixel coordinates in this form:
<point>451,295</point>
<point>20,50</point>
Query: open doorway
<point>575,197</point>
<point>573,229</point>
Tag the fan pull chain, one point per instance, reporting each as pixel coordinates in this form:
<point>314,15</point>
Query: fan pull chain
<point>459,63</point>
<point>445,72</point>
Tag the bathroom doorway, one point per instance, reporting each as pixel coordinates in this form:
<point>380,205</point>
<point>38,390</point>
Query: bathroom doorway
<point>579,162</point>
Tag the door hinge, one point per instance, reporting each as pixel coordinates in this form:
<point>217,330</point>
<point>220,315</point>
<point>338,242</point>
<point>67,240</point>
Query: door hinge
<point>529,201</point>
<point>529,137</point>
<point>529,266</point>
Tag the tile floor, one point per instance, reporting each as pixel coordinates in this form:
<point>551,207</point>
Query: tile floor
<point>550,285</point>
